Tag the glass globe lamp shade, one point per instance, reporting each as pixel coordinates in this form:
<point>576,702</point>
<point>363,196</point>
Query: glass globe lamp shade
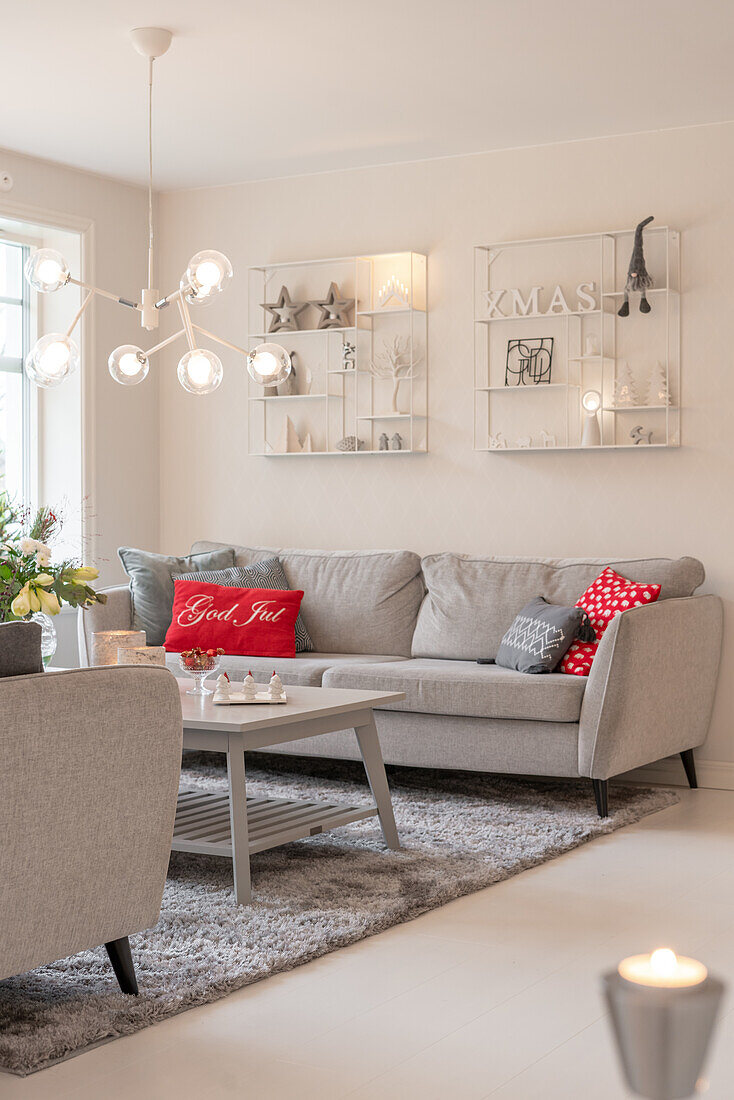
<point>200,371</point>
<point>52,359</point>
<point>46,270</point>
<point>269,364</point>
<point>128,365</point>
<point>591,401</point>
<point>207,274</point>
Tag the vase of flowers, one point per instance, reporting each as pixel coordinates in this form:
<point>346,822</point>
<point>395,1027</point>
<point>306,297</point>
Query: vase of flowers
<point>31,585</point>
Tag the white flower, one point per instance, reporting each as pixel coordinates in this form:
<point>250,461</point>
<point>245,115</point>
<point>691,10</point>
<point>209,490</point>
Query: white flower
<point>43,555</point>
<point>28,546</point>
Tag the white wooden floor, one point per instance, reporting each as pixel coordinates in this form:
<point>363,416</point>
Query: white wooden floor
<point>494,995</point>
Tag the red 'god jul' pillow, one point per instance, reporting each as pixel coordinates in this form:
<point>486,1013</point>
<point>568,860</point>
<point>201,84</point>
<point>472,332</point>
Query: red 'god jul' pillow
<point>609,595</point>
<point>256,622</point>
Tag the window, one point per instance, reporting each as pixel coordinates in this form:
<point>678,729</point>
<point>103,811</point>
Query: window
<point>15,309</point>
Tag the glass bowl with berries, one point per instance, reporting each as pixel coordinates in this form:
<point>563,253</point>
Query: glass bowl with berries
<point>199,663</point>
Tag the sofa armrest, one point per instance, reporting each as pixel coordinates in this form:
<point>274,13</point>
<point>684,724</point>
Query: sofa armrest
<point>116,614</point>
<point>652,684</point>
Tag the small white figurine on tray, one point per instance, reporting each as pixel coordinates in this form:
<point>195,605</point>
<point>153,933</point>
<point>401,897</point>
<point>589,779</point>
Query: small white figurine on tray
<point>276,688</point>
<point>248,688</point>
<point>223,689</point>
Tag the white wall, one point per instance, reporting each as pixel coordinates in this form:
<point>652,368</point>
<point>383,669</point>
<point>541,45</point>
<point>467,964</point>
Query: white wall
<point>121,424</point>
<point>605,503</point>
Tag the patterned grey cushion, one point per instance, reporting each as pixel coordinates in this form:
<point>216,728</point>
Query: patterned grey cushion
<point>151,585</point>
<point>263,574</point>
<point>540,636</point>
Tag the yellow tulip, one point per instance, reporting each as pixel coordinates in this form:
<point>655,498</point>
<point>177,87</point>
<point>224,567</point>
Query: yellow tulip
<point>34,600</point>
<point>43,579</point>
<point>49,602</point>
<point>21,605</point>
<point>83,575</point>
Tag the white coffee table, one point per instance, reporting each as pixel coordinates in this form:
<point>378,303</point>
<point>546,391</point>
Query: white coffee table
<point>234,826</point>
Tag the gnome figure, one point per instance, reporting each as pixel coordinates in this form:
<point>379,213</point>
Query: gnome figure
<point>638,277</point>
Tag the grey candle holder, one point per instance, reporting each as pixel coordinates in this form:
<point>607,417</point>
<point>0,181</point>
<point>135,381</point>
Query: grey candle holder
<point>662,1034</point>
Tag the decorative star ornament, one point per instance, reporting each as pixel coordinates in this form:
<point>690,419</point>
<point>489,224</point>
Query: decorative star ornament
<point>284,311</point>
<point>334,310</point>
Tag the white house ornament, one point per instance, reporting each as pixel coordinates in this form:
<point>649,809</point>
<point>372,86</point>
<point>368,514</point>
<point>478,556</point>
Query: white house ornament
<point>657,389</point>
<point>625,391</point>
<point>284,312</point>
<point>334,309</point>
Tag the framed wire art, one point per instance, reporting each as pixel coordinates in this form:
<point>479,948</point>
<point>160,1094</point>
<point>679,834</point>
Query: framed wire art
<point>528,362</point>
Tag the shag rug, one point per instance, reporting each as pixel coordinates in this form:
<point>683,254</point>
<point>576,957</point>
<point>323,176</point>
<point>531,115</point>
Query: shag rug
<point>460,831</point>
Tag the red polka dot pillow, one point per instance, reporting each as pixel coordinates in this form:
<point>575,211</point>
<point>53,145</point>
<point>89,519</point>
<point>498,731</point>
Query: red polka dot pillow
<point>609,595</point>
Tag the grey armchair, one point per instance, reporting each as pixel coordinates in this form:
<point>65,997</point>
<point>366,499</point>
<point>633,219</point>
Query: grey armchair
<point>89,771</point>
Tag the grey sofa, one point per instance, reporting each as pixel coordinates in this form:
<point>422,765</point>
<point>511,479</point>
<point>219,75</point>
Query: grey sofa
<point>88,788</point>
<point>391,620</point>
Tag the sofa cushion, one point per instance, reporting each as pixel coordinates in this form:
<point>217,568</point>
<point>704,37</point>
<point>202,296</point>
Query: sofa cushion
<point>304,670</point>
<point>354,601</point>
<point>467,689</point>
<point>472,601</point>
<point>151,584</point>
<point>20,648</point>
<point>263,574</point>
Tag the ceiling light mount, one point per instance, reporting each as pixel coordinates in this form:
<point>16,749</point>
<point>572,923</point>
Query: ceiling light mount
<point>55,356</point>
<point>151,42</point>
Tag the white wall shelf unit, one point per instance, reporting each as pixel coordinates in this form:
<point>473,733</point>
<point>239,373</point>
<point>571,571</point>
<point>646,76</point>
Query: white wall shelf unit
<point>341,397</point>
<point>567,290</point>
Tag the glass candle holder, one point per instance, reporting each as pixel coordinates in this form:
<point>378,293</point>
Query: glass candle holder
<point>141,655</point>
<point>105,644</point>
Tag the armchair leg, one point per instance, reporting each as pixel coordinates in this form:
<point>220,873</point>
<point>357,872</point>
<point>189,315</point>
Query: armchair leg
<point>601,794</point>
<point>690,766</point>
<point>122,964</point>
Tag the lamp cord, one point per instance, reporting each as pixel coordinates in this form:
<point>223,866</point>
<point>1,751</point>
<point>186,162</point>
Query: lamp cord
<point>150,172</point>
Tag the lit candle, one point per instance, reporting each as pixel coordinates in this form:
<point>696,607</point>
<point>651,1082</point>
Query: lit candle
<point>663,969</point>
<point>141,655</point>
<point>105,644</point>
<point>662,1009</point>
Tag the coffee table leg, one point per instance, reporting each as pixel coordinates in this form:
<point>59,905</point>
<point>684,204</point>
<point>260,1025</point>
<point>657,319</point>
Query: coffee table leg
<point>238,822</point>
<point>369,746</point>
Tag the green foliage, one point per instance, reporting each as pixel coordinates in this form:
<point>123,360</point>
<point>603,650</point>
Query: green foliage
<point>20,570</point>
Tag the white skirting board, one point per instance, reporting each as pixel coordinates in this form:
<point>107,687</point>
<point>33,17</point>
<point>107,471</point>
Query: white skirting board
<point>715,774</point>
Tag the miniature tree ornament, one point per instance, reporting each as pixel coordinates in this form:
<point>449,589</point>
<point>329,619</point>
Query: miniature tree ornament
<point>395,363</point>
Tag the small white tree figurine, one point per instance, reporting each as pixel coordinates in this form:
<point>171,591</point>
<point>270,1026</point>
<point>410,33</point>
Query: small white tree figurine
<point>625,392</point>
<point>395,363</point>
<point>657,390</point>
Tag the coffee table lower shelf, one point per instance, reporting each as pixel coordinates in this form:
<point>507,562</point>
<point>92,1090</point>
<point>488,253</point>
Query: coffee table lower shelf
<point>203,821</point>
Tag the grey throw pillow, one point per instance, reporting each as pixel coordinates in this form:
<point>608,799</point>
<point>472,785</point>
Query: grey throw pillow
<point>20,648</point>
<point>541,634</point>
<point>263,574</point>
<point>151,584</point>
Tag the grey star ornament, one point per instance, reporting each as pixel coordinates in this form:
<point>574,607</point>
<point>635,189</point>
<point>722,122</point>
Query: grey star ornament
<point>334,309</point>
<point>284,312</point>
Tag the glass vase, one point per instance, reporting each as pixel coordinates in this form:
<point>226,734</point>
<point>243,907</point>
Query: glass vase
<point>48,636</point>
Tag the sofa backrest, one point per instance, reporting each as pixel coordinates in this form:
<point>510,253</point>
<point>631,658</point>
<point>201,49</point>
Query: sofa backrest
<point>472,601</point>
<point>354,601</point>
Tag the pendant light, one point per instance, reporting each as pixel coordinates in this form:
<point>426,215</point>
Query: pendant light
<point>55,356</point>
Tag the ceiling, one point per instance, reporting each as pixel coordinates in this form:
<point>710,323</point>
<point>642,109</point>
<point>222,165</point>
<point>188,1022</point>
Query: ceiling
<point>253,90</point>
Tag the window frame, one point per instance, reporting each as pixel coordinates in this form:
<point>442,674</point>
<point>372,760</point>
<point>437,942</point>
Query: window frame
<point>13,365</point>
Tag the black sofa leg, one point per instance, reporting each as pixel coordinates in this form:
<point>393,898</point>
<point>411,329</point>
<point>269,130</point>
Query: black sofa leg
<point>122,964</point>
<point>601,794</point>
<point>690,765</point>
